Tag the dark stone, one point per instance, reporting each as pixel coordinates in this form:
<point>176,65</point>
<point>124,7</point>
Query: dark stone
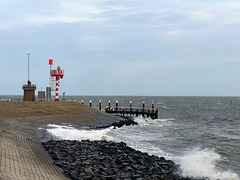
<point>89,170</point>
<point>128,122</point>
<point>118,161</point>
<point>86,163</point>
<point>74,174</point>
<point>125,164</point>
<point>109,177</point>
<point>136,176</point>
<point>59,163</point>
<point>77,164</point>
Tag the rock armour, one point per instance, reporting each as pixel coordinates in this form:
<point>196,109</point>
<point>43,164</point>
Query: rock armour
<point>108,160</point>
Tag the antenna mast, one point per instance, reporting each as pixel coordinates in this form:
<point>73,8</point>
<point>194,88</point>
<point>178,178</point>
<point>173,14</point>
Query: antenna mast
<point>28,54</point>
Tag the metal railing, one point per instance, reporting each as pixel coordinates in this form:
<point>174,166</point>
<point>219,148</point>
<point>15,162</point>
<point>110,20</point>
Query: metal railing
<point>57,72</point>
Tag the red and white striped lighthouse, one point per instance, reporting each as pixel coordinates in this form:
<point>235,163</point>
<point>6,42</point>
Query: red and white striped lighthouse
<point>57,74</point>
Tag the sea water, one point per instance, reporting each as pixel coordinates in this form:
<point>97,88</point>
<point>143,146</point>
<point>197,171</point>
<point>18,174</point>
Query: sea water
<point>202,134</point>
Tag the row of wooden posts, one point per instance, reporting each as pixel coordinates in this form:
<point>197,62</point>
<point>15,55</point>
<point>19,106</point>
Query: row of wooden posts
<point>109,104</point>
<point>153,113</point>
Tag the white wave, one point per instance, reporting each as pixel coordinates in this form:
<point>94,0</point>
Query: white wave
<point>144,121</point>
<point>131,135</point>
<point>165,107</point>
<point>202,163</point>
<point>164,120</point>
<point>148,121</point>
<point>58,126</point>
<point>70,133</point>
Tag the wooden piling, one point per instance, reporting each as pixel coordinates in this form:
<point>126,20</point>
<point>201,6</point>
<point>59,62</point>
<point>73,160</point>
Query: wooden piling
<point>109,105</point>
<point>116,105</point>
<point>100,105</point>
<point>143,106</point>
<point>152,106</point>
<point>156,112</point>
<point>130,105</point>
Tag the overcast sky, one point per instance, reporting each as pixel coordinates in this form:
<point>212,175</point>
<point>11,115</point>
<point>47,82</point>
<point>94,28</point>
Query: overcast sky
<point>122,47</point>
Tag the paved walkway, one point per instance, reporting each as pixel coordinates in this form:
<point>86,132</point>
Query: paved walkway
<point>22,157</point>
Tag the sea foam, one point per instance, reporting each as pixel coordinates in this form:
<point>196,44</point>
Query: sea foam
<point>202,163</point>
<point>142,121</point>
<point>71,133</point>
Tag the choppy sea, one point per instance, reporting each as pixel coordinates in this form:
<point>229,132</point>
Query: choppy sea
<point>202,134</point>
